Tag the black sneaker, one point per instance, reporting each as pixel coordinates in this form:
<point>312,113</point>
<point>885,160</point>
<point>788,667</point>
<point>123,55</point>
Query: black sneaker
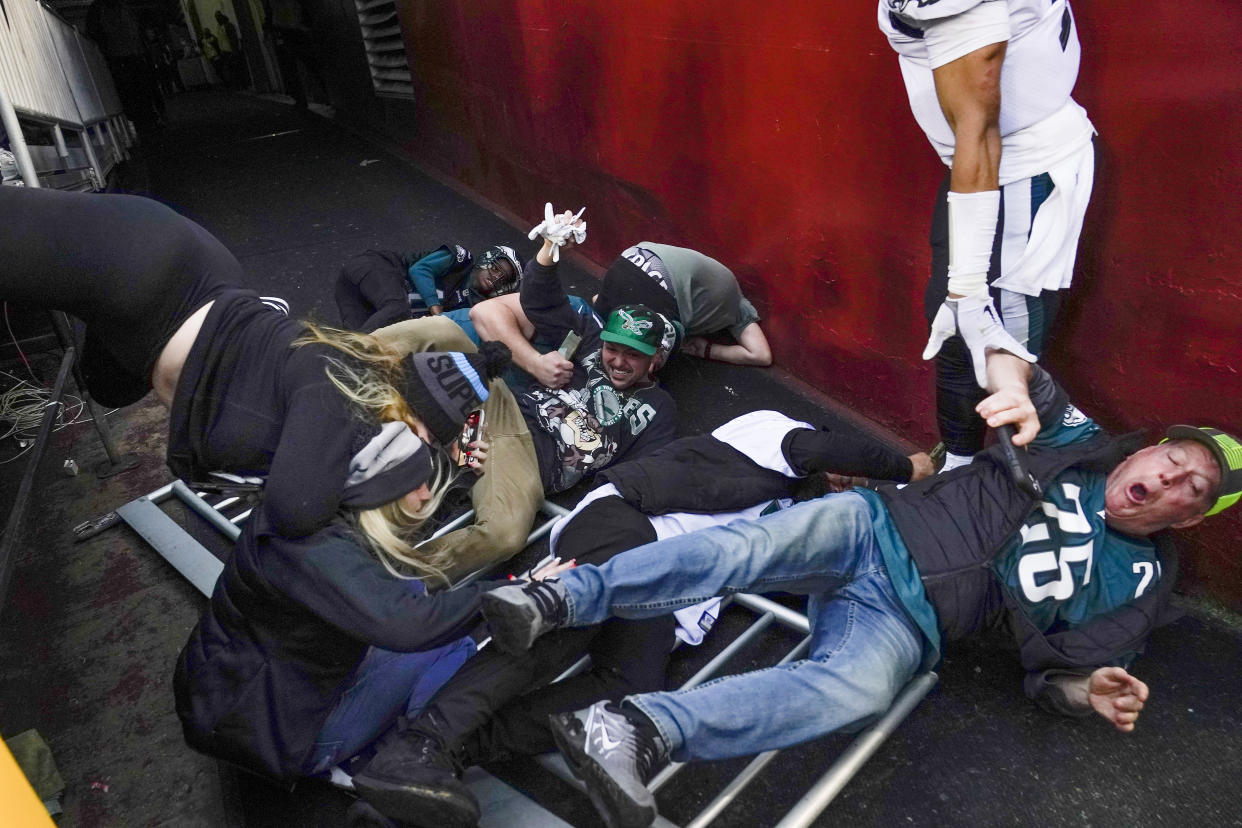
<point>520,613</point>
<point>615,757</point>
<point>414,781</point>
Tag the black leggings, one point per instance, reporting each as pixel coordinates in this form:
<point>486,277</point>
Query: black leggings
<point>132,269</point>
<point>497,705</point>
<point>957,392</point>
<point>372,291</point>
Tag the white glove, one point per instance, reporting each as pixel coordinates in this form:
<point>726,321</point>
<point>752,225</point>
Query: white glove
<point>558,231</point>
<point>975,318</point>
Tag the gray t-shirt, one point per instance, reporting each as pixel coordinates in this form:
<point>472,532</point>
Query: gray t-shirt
<point>707,294</point>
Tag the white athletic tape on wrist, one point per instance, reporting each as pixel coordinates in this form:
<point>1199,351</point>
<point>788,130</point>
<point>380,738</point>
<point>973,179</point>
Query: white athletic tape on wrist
<point>972,228</point>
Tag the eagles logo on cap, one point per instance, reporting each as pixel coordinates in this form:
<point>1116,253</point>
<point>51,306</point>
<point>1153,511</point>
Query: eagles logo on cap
<point>635,326</point>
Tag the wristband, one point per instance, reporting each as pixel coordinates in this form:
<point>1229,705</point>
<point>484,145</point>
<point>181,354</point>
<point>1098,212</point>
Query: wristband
<point>707,351</point>
<point>972,229</point>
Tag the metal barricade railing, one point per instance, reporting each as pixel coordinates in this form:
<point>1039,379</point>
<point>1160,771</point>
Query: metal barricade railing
<point>821,794</point>
<point>202,568</point>
<point>193,560</point>
<point>51,75</point>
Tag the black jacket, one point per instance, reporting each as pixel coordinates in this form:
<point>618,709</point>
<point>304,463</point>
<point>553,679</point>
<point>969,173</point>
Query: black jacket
<point>288,622</point>
<point>953,525</point>
<point>250,403</point>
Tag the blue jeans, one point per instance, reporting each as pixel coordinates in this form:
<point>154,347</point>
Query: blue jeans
<point>385,685</point>
<point>864,646</point>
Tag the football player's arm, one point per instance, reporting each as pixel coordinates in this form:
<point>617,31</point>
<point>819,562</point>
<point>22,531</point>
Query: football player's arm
<point>968,89</point>
<point>966,52</point>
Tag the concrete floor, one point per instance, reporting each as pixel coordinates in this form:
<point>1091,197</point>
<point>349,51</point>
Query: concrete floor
<point>91,630</point>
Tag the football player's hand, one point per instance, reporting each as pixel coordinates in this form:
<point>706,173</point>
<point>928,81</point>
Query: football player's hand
<point>976,320</point>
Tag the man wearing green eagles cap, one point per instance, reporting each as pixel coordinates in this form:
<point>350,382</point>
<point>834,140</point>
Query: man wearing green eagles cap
<point>550,439</point>
<point>611,408</point>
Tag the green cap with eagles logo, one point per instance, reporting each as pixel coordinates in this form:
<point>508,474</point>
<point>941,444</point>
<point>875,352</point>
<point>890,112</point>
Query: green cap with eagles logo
<point>635,326</point>
<point>1226,451</point>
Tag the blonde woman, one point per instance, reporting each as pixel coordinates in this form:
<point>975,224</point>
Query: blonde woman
<point>249,391</point>
<point>312,647</point>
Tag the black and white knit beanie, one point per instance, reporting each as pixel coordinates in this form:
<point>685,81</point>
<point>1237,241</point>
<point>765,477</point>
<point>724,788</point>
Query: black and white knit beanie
<point>388,462</point>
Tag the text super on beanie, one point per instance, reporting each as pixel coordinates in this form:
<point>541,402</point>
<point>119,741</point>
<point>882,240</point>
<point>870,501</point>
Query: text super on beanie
<point>443,387</point>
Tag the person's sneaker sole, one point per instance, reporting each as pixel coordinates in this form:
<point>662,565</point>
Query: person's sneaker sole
<point>514,624</point>
<point>419,805</point>
<point>618,808</point>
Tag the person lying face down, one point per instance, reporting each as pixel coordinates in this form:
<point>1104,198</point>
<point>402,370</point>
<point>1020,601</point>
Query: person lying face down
<point>249,391</point>
<point>697,292</point>
<point>694,292</point>
<point>1079,576</point>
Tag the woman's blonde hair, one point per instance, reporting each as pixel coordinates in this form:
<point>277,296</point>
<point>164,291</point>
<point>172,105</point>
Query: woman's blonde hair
<point>368,380</point>
<point>391,532</point>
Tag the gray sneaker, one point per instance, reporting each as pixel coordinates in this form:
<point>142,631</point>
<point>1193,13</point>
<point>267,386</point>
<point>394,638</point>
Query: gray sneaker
<point>614,758</point>
<point>520,613</point>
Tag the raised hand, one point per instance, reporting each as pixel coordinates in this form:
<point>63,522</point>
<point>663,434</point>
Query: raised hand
<point>563,230</point>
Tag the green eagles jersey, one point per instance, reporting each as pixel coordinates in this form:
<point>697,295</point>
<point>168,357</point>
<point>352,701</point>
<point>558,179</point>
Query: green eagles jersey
<point>1064,566</point>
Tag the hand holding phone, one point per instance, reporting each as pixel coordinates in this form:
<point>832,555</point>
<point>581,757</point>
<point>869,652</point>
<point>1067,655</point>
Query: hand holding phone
<point>471,431</point>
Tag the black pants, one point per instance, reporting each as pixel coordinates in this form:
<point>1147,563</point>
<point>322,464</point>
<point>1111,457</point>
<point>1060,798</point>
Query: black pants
<point>497,705</point>
<point>130,268</point>
<point>372,291</point>
<point>957,392</point>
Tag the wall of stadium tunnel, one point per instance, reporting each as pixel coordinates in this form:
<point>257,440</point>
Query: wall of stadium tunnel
<point>778,139</point>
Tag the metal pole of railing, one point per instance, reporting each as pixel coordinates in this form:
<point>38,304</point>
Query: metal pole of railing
<point>187,496</point>
<point>784,615</point>
<point>116,145</point>
<point>820,796</point>
<point>673,768</point>
<point>13,528</point>
<point>755,630</point>
<point>116,462</point>
<point>123,124</point>
<point>17,141</point>
<point>92,158</point>
<point>725,798</point>
<point>58,135</point>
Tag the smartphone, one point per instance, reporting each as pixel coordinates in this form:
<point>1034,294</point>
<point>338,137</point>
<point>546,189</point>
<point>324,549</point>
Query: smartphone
<point>471,431</point>
<point>569,345</point>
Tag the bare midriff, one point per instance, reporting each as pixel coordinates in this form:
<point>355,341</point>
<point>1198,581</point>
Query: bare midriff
<point>167,371</point>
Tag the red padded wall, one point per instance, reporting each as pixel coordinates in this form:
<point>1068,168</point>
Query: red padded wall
<point>776,137</point>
